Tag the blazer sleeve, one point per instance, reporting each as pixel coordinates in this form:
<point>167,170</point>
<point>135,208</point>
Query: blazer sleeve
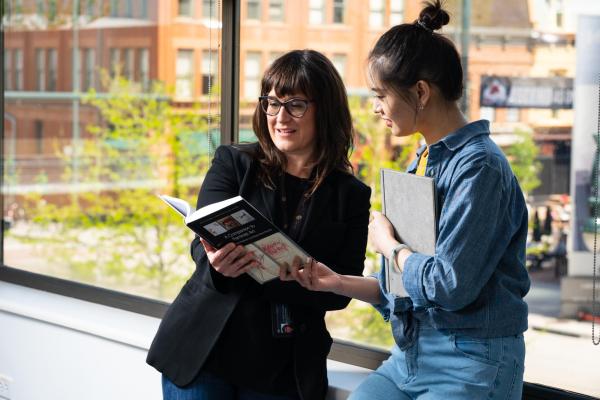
<point>221,182</point>
<point>348,258</point>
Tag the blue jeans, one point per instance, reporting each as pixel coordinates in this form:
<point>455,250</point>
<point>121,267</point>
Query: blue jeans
<point>210,387</point>
<point>444,365</point>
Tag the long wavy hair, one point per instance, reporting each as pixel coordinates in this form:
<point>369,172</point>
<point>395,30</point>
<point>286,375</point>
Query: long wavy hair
<point>312,74</point>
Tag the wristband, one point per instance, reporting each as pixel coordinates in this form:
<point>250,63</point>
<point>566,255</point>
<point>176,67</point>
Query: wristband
<point>394,254</point>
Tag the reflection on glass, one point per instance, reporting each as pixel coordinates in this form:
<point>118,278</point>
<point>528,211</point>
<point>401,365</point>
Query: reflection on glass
<point>82,169</point>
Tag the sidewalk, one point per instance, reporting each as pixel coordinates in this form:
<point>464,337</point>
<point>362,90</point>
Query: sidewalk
<point>560,352</point>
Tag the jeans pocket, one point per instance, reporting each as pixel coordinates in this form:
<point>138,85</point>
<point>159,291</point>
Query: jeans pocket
<point>477,349</point>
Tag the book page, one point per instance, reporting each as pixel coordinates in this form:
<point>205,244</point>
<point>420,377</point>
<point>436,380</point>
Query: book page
<point>281,249</point>
<point>181,206</point>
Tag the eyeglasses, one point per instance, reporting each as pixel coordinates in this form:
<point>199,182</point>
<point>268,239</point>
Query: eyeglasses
<point>295,107</point>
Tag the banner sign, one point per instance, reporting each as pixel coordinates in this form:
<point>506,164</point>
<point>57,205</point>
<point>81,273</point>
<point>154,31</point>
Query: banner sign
<point>513,92</point>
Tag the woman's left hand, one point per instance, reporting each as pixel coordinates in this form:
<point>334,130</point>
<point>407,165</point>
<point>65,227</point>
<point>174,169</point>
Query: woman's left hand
<point>381,233</point>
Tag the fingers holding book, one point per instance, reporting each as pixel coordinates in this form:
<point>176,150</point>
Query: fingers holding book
<point>230,260</point>
<point>311,274</point>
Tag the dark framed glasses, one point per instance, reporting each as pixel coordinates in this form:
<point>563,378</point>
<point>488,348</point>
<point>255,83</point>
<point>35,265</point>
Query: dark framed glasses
<point>295,107</point>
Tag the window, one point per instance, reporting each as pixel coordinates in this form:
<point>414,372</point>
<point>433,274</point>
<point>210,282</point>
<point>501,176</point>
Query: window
<point>19,69</point>
<point>128,64</point>
<point>52,69</point>
<point>144,68</point>
<point>253,10</point>
<point>115,61</point>
<point>488,113</point>
<point>339,60</point>
<point>276,11</point>
<point>376,13</point>
<point>184,70</point>
<point>338,11</point>
<point>89,62</point>
<point>513,114</point>
<point>8,84</point>
<point>128,9</point>
<point>186,8</point>
<point>252,75</point>
<point>209,70</point>
<point>209,9</point>
<point>316,12</point>
<point>396,12</point>
<point>114,8</point>
<point>144,9</point>
<point>40,7</point>
<point>39,136</point>
<point>40,69</point>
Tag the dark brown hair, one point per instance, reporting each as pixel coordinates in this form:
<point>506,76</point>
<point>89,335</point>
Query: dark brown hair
<point>408,53</point>
<point>312,74</point>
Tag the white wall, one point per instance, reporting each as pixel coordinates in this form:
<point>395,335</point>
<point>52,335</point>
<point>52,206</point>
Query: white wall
<point>59,348</point>
<point>54,347</point>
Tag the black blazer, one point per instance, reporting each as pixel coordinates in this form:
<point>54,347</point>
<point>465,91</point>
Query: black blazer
<point>335,233</point>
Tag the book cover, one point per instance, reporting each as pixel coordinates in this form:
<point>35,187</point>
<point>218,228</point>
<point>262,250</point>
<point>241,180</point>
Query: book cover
<point>409,202</point>
<point>236,220</point>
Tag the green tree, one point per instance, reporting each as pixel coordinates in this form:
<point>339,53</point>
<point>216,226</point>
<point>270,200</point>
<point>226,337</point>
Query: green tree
<point>114,230</point>
<point>522,156</point>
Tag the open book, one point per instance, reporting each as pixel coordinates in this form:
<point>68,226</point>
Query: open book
<point>409,202</point>
<point>236,220</point>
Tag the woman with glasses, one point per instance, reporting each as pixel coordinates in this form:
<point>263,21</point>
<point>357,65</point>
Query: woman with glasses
<point>459,328</point>
<point>227,337</point>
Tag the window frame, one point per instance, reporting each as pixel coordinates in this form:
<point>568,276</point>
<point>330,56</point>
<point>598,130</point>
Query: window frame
<point>342,351</point>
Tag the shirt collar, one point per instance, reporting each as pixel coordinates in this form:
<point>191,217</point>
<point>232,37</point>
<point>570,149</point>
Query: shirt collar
<point>460,137</point>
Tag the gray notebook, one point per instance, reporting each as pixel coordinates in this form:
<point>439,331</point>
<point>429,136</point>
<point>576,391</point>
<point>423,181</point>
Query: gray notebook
<point>409,203</point>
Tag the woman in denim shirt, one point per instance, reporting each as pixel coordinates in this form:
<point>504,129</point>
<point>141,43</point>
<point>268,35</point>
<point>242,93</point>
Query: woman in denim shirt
<point>459,330</point>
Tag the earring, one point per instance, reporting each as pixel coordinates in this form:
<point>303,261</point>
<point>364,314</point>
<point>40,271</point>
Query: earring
<point>421,107</point>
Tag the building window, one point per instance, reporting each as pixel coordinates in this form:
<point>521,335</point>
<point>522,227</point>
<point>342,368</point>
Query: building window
<point>114,8</point>
<point>40,7</point>
<point>316,12</point>
<point>340,61</point>
<point>128,66</point>
<point>7,69</point>
<point>488,113</point>
<point>19,69</point>
<point>396,12</point>
<point>209,70</point>
<point>253,9</point>
<point>144,60</point>
<point>513,114</point>
<point>186,8</point>
<point>128,9</point>
<point>115,60</point>
<point>40,69</point>
<point>90,7</point>
<point>184,74</point>
<point>376,13</point>
<point>252,72</point>
<point>338,11</point>
<point>39,136</point>
<point>52,69</point>
<point>276,10</point>
<point>144,9</point>
<point>209,9</point>
<point>89,61</point>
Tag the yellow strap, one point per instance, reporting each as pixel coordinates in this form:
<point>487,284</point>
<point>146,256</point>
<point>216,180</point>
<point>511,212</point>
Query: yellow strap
<point>423,162</point>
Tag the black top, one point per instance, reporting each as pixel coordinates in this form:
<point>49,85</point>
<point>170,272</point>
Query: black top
<point>241,359</point>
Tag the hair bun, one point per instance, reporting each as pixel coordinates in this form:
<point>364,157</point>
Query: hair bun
<point>433,16</point>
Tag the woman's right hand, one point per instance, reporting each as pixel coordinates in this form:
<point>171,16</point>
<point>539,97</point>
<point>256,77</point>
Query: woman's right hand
<point>230,260</point>
<point>312,275</point>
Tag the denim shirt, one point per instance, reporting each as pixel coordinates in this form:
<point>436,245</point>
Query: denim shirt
<point>476,281</point>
